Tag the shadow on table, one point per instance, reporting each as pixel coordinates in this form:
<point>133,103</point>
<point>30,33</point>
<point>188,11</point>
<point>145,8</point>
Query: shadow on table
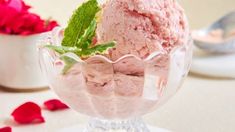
<point>209,77</point>
<point>14,90</point>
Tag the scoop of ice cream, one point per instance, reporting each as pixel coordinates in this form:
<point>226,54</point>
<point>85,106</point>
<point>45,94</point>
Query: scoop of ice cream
<point>141,27</point>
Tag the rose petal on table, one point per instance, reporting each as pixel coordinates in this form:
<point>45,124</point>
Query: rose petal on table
<point>28,113</point>
<point>55,104</point>
<point>5,129</point>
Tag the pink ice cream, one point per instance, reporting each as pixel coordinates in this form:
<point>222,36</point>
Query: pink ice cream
<point>141,27</point>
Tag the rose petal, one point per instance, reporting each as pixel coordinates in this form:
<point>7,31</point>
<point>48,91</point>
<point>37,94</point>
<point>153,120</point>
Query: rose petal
<point>55,104</point>
<point>16,4</point>
<point>51,25</point>
<point>24,6</point>
<point>5,129</point>
<point>3,2</point>
<point>28,113</point>
<point>7,15</point>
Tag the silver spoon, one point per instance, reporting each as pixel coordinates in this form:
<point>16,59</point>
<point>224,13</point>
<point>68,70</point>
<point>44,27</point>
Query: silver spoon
<point>225,24</point>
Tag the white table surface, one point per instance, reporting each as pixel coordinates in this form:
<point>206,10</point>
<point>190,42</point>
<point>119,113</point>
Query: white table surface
<point>202,105</point>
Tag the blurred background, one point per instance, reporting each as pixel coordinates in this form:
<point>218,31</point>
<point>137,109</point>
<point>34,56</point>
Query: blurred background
<point>200,12</point>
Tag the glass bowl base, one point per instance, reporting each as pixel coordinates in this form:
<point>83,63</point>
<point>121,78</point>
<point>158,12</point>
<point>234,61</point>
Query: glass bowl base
<point>81,128</point>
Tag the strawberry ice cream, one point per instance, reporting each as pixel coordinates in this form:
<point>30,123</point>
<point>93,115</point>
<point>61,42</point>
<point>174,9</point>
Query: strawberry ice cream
<point>141,27</point>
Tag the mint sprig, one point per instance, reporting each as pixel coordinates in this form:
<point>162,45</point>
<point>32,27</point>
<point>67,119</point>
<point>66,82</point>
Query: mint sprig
<point>64,49</point>
<point>98,49</point>
<point>86,39</point>
<point>79,22</point>
<point>79,34</point>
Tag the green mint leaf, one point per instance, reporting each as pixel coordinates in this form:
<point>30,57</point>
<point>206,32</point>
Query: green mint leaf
<point>86,45</point>
<point>98,49</point>
<point>86,38</point>
<point>79,22</point>
<point>69,62</point>
<point>64,49</point>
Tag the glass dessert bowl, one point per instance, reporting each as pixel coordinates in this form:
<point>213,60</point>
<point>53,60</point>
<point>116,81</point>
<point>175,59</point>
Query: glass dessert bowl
<point>115,93</point>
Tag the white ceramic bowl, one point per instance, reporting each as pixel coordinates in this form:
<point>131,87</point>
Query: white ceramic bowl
<point>19,65</point>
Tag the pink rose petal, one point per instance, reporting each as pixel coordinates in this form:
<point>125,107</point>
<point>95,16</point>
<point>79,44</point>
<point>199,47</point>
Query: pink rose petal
<point>55,104</point>
<point>5,129</point>
<point>28,113</point>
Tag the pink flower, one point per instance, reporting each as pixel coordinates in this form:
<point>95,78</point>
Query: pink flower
<point>16,19</point>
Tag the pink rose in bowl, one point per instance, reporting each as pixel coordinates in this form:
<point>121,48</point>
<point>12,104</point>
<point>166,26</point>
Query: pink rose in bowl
<point>15,19</point>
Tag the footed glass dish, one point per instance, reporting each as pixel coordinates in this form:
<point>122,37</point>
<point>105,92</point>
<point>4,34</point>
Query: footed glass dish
<point>115,94</point>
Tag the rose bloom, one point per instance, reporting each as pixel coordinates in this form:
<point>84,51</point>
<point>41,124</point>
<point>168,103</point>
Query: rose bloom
<point>16,19</point>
